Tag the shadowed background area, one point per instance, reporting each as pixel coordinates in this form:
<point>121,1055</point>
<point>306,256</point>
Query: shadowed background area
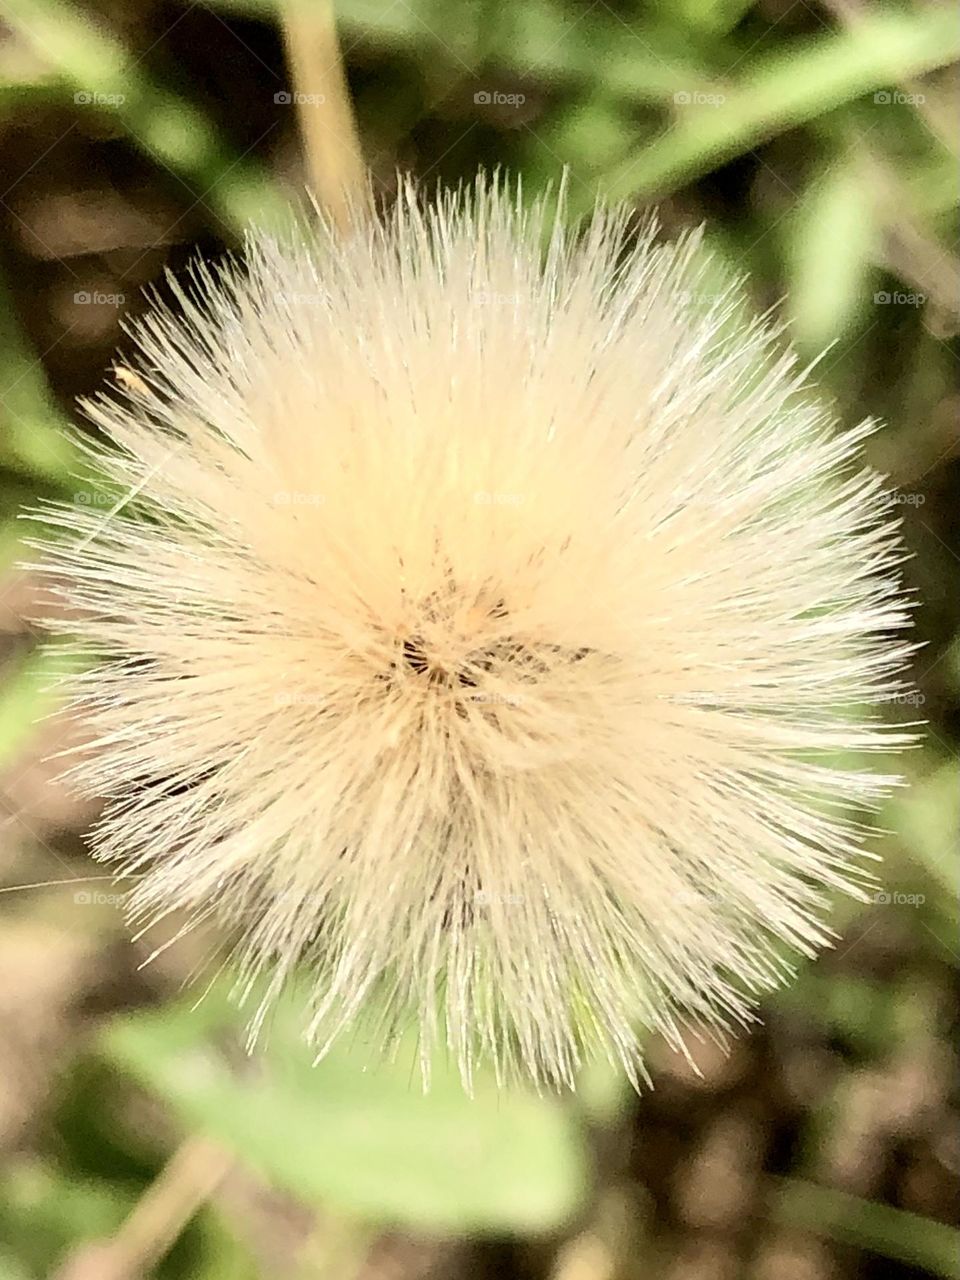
<point>818,142</point>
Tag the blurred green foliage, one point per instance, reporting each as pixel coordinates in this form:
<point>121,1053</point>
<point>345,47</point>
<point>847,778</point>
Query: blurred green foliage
<point>359,1135</point>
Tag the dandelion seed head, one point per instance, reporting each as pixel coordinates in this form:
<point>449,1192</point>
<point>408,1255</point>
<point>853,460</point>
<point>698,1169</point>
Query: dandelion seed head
<point>484,625</point>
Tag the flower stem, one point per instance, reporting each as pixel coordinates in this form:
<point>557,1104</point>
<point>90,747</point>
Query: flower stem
<point>331,144</point>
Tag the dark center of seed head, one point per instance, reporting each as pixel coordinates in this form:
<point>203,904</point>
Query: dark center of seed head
<point>414,658</point>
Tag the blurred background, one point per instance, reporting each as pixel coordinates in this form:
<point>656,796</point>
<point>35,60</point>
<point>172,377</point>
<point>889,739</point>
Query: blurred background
<point>818,141</point>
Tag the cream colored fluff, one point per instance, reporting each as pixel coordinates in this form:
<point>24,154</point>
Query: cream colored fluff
<point>484,633</point>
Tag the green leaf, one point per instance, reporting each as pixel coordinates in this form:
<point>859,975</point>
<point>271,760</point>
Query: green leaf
<point>537,40</point>
<point>953,665</point>
<point>33,438</point>
<point>927,818</point>
<point>588,136</point>
<point>714,16</point>
<point>787,88</point>
<point>46,1212</point>
<point>892,1233</point>
<point>29,695</point>
<point>104,76</point>
<point>829,253</point>
<point>49,1212</point>
<point>12,1269</point>
<point>364,1139</point>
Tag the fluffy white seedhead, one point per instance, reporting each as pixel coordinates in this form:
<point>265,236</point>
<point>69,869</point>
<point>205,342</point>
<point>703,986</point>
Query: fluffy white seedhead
<point>486,621</point>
